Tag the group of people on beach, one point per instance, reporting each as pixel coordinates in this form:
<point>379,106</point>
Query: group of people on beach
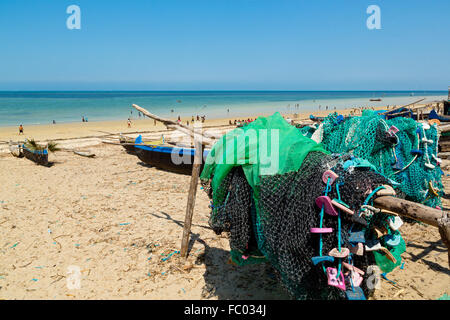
<point>241,122</point>
<point>199,118</point>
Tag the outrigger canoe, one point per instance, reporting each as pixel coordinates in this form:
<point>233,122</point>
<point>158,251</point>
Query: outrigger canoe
<point>168,158</point>
<point>37,156</point>
<point>129,143</point>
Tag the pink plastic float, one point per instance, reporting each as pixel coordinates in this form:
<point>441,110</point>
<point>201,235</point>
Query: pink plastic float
<point>329,174</point>
<point>393,129</point>
<point>335,253</point>
<point>321,230</point>
<point>355,277</point>
<point>352,268</point>
<point>335,281</point>
<point>326,202</point>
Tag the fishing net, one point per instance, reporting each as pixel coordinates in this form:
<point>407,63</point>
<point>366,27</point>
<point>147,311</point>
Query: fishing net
<point>269,216</point>
<point>401,149</point>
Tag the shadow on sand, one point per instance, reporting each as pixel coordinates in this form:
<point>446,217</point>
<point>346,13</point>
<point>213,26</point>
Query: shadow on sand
<point>229,282</point>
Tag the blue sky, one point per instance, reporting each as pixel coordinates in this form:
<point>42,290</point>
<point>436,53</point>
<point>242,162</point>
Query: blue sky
<point>224,45</point>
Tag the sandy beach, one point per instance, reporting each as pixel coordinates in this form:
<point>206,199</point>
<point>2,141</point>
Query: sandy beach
<point>119,222</point>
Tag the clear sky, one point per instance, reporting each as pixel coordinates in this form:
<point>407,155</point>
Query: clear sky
<point>224,45</point>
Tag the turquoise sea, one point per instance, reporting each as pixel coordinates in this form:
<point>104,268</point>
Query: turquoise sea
<point>69,106</point>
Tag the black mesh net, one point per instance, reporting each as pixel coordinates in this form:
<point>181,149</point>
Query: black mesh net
<point>286,210</point>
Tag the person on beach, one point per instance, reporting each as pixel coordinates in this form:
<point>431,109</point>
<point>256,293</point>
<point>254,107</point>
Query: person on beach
<point>129,123</point>
<point>20,129</point>
<point>192,120</point>
<point>82,119</point>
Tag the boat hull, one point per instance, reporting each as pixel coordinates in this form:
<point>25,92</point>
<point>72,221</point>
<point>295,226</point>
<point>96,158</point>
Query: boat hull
<point>40,158</point>
<point>172,159</point>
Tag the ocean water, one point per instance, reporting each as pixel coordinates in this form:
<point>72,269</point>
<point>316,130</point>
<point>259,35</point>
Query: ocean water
<point>69,106</point>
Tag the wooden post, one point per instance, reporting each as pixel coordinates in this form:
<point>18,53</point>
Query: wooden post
<point>198,159</point>
<point>444,231</point>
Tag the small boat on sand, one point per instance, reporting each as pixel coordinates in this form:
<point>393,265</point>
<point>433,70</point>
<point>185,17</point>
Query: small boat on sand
<point>38,156</point>
<point>169,158</point>
<point>129,143</point>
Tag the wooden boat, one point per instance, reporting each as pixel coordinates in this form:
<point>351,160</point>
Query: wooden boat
<point>15,149</point>
<point>442,118</point>
<point>129,143</point>
<point>377,99</point>
<point>168,158</point>
<point>37,156</point>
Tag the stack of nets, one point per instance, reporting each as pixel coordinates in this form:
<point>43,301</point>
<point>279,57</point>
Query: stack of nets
<point>409,156</point>
<point>269,216</point>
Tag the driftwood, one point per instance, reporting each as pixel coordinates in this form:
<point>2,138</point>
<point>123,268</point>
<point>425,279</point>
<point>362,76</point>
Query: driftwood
<point>409,209</point>
<point>84,154</point>
<point>204,137</point>
<point>419,212</point>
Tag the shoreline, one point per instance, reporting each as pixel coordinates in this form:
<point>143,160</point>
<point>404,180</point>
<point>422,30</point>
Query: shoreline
<point>99,129</point>
<point>40,112</point>
<point>86,134</point>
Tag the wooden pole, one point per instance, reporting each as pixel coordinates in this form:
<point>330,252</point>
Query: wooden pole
<point>207,139</point>
<point>407,105</point>
<point>419,212</point>
<point>409,209</point>
<point>191,197</point>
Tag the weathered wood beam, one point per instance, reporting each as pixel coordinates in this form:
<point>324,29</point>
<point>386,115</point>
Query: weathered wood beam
<point>419,212</point>
<point>207,139</point>
<point>409,209</point>
<point>407,105</point>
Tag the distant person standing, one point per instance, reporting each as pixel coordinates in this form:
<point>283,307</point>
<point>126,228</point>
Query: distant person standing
<point>82,119</point>
<point>129,123</point>
<point>20,129</point>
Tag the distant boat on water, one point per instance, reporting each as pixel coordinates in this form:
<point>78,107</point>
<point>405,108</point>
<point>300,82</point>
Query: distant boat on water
<point>375,99</point>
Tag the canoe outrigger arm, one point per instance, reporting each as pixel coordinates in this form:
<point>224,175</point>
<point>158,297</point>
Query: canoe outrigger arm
<point>204,137</point>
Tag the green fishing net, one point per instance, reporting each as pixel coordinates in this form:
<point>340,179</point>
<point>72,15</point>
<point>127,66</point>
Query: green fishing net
<point>407,157</point>
<point>268,207</point>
